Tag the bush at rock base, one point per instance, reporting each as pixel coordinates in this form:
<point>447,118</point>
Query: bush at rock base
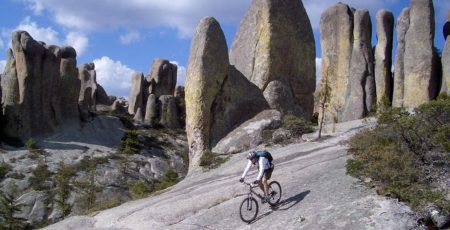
<point>211,160</point>
<point>406,153</point>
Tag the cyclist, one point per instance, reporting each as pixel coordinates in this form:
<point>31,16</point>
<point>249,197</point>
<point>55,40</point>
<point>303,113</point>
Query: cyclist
<point>265,170</point>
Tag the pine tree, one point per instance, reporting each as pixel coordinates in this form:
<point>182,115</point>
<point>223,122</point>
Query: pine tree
<point>9,210</point>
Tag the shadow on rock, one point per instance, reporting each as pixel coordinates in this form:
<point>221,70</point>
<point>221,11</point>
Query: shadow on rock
<point>290,202</point>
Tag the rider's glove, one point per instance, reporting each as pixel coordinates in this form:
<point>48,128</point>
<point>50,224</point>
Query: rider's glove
<point>241,180</point>
<point>256,182</point>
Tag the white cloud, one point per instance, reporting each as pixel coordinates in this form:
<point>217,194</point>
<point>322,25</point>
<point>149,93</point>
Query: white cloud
<point>2,65</point>
<point>318,67</point>
<point>78,41</point>
<point>130,37</point>
<point>182,15</point>
<point>114,76</point>
<point>181,73</point>
<point>47,35</point>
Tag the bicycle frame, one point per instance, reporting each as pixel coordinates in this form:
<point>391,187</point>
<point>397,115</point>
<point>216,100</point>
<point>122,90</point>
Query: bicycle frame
<point>251,192</point>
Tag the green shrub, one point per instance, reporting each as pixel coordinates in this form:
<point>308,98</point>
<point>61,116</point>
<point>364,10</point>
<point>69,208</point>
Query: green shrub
<point>140,188</point>
<point>5,168</point>
<point>211,160</point>
<point>31,144</point>
<point>398,153</point>
<point>40,175</point>
<point>9,209</point>
<point>170,178</point>
<point>64,187</point>
<point>130,143</point>
<point>297,125</point>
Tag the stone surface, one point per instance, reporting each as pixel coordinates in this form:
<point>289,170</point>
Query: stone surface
<point>275,42</point>
<point>445,60</point>
<point>32,95</point>
<point>70,83</point>
<point>163,78</point>
<point>151,116</point>
<point>101,97</point>
<point>383,55</point>
<point>168,116</point>
<point>206,71</point>
<point>317,194</point>
<point>399,72</point>
<point>86,100</point>
<point>181,104</point>
<point>249,134</point>
<point>360,97</point>
<point>336,29</point>
<point>136,98</point>
<point>139,116</point>
<point>419,59</point>
<point>227,112</point>
<point>34,208</point>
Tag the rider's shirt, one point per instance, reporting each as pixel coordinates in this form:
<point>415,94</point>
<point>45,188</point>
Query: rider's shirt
<point>263,164</point>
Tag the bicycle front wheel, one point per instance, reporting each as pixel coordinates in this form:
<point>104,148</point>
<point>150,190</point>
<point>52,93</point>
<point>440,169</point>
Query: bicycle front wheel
<point>248,209</point>
<point>274,192</point>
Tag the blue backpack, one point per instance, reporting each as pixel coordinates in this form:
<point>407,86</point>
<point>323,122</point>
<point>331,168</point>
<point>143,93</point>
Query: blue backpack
<point>264,153</point>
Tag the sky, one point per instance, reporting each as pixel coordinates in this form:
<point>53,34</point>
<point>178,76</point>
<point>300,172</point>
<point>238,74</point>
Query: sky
<point>124,36</point>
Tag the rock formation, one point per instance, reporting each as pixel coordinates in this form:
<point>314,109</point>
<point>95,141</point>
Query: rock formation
<point>361,88</point>
<point>419,57</point>
<point>445,88</point>
<point>162,78</point>
<point>181,105</point>
<point>151,115</point>
<point>399,72</point>
<point>86,101</point>
<point>347,63</point>
<point>168,112</point>
<point>383,56</point>
<point>274,48</point>
<point>136,99</point>
<point>215,92</point>
<point>70,84</point>
<point>40,87</point>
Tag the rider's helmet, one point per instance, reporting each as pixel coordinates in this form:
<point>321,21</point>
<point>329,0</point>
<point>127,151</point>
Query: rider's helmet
<point>251,155</point>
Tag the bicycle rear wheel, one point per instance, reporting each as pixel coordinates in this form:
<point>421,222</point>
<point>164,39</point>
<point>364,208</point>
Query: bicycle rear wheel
<point>248,209</point>
<point>275,193</point>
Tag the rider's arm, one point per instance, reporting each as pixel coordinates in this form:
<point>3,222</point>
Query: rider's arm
<point>261,168</point>
<point>249,164</point>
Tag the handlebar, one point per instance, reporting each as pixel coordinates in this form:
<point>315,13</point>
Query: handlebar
<point>250,184</point>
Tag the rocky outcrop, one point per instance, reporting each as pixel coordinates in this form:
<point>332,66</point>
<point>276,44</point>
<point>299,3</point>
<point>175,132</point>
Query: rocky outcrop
<point>274,48</point>
<point>399,72</point>
<point>162,78</point>
<point>248,134</point>
<point>151,115</point>
<point>419,57</point>
<point>207,69</point>
<point>136,99</point>
<point>215,92</point>
<point>361,88</point>
<point>32,87</point>
<point>383,56</point>
<point>445,59</point>
<point>168,112</point>
<point>347,63</point>
<point>70,83</point>
<point>181,105</point>
<point>86,101</point>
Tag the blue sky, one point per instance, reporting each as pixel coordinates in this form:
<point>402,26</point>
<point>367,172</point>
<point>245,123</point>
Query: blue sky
<point>124,36</point>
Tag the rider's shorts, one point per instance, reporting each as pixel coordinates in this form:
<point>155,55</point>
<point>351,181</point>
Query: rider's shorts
<point>268,172</point>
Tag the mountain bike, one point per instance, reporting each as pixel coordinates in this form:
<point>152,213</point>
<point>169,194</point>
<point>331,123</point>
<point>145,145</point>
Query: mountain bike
<point>249,207</point>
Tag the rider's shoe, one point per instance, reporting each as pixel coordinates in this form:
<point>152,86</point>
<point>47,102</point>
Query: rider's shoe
<point>265,199</point>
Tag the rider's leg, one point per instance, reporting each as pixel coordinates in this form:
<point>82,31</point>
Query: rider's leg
<point>265,185</point>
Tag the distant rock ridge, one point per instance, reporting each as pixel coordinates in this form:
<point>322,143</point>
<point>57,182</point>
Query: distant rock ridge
<point>152,98</point>
<point>42,88</point>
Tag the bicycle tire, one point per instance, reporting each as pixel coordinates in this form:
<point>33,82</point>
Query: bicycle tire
<point>274,186</point>
<point>249,205</point>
